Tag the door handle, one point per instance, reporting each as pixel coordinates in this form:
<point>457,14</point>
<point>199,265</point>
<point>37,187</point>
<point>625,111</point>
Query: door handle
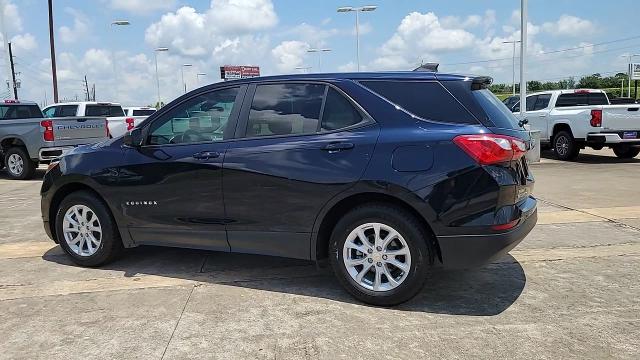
<point>206,155</point>
<point>338,146</point>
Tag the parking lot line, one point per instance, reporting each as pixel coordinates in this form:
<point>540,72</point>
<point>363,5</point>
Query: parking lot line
<point>625,212</point>
<point>568,216</point>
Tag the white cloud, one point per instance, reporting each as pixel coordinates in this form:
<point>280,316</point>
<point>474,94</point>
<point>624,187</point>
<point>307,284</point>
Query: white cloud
<point>12,17</point>
<point>80,29</point>
<point>24,41</point>
<point>569,25</point>
<point>289,55</point>
<point>420,37</point>
<point>311,34</point>
<point>236,16</point>
<point>142,6</point>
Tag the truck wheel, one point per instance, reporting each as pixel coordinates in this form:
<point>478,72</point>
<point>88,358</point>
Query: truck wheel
<point>86,231</point>
<point>626,152</point>
<point>19,164</point>
<point>564,146</point>
<point>380,254</point>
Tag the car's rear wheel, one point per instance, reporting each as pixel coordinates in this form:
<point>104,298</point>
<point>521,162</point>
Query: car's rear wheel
<point>381,254</point>
<point>565,146</point>
<point>86,230</point>
<point>19,164</point>
<point>626,152</point>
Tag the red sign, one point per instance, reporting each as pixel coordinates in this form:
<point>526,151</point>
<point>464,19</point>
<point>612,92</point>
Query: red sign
<point>230,72</point>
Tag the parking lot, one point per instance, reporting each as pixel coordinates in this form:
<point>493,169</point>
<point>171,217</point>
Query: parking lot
<point>570,290</point>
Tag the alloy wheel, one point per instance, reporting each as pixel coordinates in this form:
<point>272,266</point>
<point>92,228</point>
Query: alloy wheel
<point>82,230</point>
<point>15,164</point>
<point>562,145</point>
<point>376,257</point>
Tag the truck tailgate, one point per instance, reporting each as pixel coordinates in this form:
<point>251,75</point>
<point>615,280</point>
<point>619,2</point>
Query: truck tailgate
<point>76,128</point>
<point>621,117</point>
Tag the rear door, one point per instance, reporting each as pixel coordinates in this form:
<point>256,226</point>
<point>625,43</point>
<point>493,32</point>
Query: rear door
<point>538,112</point>
<point>301,143</point>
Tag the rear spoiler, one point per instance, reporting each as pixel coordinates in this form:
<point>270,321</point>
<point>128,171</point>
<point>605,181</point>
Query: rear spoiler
<point>481,82</point>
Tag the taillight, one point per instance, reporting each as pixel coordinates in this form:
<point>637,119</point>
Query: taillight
<point>488,149</point>
<point>596,118</point>
<point>48,130</point>
<point>130,124</point>
<point>106,126</point>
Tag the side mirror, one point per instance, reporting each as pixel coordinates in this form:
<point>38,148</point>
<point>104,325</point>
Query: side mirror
<point>133,138</point>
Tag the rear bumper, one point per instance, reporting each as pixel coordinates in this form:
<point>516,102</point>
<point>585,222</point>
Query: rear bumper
<point>52,153</point>
<point>611,138</point>
<point>466,251</point>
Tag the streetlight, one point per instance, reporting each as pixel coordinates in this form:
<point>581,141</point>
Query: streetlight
<point>113,52</point>
<point>357,10</point>
<point>319,51</point>
<point>304,69</point>
<point>155,55</point>
<point>198,77</point>
<point>629,56</point>
<point>184,84</point>
<point>513,68</point>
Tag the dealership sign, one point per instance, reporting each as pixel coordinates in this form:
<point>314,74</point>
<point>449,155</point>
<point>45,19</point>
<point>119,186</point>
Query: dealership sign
<point>634,71</point>
<point>231,72</point>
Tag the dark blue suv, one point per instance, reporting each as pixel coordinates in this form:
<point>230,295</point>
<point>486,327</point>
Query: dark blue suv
<point>383,174</point>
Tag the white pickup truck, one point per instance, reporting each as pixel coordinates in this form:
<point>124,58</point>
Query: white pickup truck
<point>117,122</point>
<point>570,120</point>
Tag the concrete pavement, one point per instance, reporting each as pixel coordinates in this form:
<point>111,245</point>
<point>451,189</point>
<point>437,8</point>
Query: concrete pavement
<point>570,290</point>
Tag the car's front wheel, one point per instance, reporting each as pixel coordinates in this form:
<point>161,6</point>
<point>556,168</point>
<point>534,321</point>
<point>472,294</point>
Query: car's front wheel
<point>86,230</point>
<point>381,254</point>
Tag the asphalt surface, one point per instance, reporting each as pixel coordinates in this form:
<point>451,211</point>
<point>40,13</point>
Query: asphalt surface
<point>570,290</point>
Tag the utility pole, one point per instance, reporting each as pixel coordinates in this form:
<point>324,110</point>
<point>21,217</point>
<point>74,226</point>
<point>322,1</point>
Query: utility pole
<point>93,92</point>
<point>13,74</point>
<point>513,68</point>
<point>86,89</point>
<point>523,55</point>
<point>53,54</point>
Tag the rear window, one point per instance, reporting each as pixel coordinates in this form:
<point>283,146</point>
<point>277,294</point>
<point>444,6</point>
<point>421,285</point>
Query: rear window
<point>8,112</point>
<point>581,99</point>
<point>142,112</point>
<point>426,100</point>
<point>67,110</point>
<point>104,110</point>
<point>497,112</point>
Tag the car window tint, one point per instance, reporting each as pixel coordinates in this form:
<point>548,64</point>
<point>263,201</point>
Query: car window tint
<point>143,112</point>
<point>425,99</point>
<point>283,109</point>
<point>50,112</point>
<point>338,112</point>
<point>531,102</point>
<point>67,110</point>
<point>572,99</point>
<point>598,99</point>
<point>8,112</point>
<point>203,118</point>
<point>104,110</point>
<point>542,101</point>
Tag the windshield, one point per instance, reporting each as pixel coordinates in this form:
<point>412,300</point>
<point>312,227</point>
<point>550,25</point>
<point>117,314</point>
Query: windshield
<point>497,112</point>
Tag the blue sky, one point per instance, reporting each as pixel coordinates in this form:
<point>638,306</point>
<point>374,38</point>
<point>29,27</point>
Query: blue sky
<point>275,35</point>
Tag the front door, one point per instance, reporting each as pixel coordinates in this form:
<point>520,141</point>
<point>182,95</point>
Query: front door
<point>171,187</point>
<point>297,151</point>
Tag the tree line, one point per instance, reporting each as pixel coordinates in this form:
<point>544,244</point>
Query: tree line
<point>611,84</point>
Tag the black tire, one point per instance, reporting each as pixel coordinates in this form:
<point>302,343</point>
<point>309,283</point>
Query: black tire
<point>565,146</point>
<point>418,241</point>
<point>28,166</point>
<point>110,246</point>
<point>626,152</point>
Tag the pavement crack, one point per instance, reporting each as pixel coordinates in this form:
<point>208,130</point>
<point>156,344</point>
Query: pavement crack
<point>613,221</point>
<point>184,307</point>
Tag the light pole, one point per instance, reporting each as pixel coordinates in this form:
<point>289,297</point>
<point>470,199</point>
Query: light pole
<point>357,10</point>
<point>155,55</point>
<point>304,69</point>
<point>523,54</point>
<point>184,84</point>
<point>513,66</point>
<point>198,77</point>
<point>113,53</point>
<point>319,51</point>
<point>629,56</point>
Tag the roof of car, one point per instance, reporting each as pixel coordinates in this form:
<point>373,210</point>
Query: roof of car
<point>382,75</point>
<point>18,102</point>
<point>85,102</point>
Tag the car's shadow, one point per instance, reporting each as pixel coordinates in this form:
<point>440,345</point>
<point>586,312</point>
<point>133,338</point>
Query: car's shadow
<point>36,177</point>
<point>584,158</point>
<point>485,291</point>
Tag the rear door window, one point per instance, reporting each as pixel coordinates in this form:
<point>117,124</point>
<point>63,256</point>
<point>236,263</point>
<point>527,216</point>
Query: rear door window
<point>425,99</point>
<point>338,112</point>
<point>67,110</point>
<point>285,109</point>
<point>104,110</point>
<point>142,112</point>
<point>542,102</point>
